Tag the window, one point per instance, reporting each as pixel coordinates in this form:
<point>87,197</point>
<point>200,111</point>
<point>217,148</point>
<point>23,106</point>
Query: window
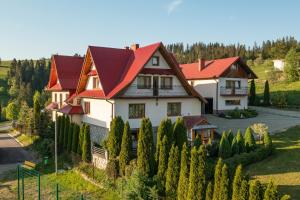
<point>136,111</point>
<point>78,101</point>
<point>95,82</point>
<point>233,84</point>
<point>87,107</point>
<point>155,61</point>
<point>234,67</point>
<point>55,97</point>
<point>235,102</point>
<point>144,82</point>
<point>174,109</point>
<point>166,82</point>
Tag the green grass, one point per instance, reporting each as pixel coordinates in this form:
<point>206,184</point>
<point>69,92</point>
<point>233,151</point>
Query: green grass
<point>284,166</point>
<point>4,68</point>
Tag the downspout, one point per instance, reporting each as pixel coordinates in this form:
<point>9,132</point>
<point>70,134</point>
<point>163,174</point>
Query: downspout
<point>112,108</point>
<point>217,95</point>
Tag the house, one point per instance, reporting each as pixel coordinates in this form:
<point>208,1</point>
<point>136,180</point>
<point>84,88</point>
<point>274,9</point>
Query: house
<point>222,82</point>
<point>278,65</point>
<point>133,83</point>
<point>64,75</point>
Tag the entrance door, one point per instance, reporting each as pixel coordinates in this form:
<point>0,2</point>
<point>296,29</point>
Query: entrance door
<point>155,85</point>
<point>209,106</point>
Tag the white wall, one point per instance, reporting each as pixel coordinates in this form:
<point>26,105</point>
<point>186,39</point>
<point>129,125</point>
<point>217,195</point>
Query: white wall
<point>64,96</point>
<point>162,62</point>
<point>89,84</point>
<point>207,89</point>
<point>189,106</point>
<point>100,112</point>
<point>279,64</point>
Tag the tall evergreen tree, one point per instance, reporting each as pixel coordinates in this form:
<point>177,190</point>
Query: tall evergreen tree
<point>80,139</point>
<point>75,138</point>
<point>252,93</point>
<point>268,141</point>
<point>224,186</point>
<point>58,124</point>
<point>66,132</point>
<point>237,183</point>
<point>209,192</point>
<point>255,190</point>
<point>164,129</point>
<point>217,180</point>
<point>244,192</point>
<point>240,142</point>
<point>115,137</point>
<point>271,193</point>
<point>249,140</point>
<point>180,133</point>
<point>86,145</point>
<point>145,151</point>
<point>70,137</point>
<point>197,142</point>
<point>234,146</point>
<point>184,175</point>
<point>62,132</point>
<point>126,149</point>
<point>36,112</point>
<point>267,94</point>
<point>172,174</point>
<point>230,137</point>
<point>224,148</point>
<point>163,161</point>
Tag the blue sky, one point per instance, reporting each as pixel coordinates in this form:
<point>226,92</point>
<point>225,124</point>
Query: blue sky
<point>37,28</point>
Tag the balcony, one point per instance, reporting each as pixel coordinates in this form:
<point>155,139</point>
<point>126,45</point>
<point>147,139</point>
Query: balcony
<point>242,91</point>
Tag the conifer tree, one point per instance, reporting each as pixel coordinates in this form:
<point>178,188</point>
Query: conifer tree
<point>62,132</point>
<point>240,142</point>
<point>180,133</point>
<point>163,161</point>
<point>244,192</point>
<point>237,183</point>
<point>224,187</point>
<point>217,179</point>
<point>126,149</point>
<point>252,93</point>
<point>224,148</point>
<point>36,112</point>
<point>164,129</point>
<point>286,197</point>
<point>145,151</point>
<point>268,141</point>
<point>249,140</point>
<point>234,146</point>
<point>66,132</point>
<point>115,137</point>
<point>70,134</point>
<point>80,139</point>
<point>86,145</point>
<point>271,192</point>
<point>266,94</point>
<point>172,174</point>
<point>58,127</point>
<point>254,190</point>
<point>230,137</point>
<point>209,192</point>
<point>75,138</point>
<point>197,141</point>
<point>184,175</point>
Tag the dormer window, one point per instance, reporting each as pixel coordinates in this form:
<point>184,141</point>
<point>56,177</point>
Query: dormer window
<point>95,83</point>
<point>155,60</point>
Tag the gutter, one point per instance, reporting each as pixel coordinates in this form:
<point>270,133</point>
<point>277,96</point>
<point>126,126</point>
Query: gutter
<point>112,108</point>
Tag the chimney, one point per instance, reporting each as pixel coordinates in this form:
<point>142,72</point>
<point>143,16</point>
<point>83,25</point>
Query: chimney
<point>126,47</point>
<point>134,47</point>
<point>201,64</point>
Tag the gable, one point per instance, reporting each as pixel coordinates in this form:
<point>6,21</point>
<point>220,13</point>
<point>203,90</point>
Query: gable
<point>235,71</point>
<point>162,62</point>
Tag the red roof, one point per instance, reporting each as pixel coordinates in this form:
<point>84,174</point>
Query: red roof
<point>71,110</point>
<point>212,68</point>
<point>92,94</point>
<point>66,70</point>
<point>191,121</point>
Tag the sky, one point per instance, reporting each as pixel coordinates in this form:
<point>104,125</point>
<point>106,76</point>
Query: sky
<point>40,28</point>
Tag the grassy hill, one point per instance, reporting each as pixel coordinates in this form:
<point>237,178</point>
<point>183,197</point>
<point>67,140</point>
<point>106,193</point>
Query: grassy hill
<point>4,67</point>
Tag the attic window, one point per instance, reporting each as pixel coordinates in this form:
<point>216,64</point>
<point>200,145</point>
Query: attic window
<point>95,82</point>
<point>234,67</point>
<point>155,60</point>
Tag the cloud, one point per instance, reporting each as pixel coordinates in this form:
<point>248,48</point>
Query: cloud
<point>173,5</point>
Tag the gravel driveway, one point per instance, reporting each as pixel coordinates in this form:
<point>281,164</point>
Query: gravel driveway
<point>277,120</point>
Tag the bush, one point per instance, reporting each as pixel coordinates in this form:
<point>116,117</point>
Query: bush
<point>239,114</point>
<point>224,148</point>
<point>112,169</point>
<point>279,99</point>
<point>249,140</point>
<point>44,146</point>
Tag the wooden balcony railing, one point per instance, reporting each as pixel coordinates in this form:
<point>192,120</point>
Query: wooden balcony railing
<point>242,91</point>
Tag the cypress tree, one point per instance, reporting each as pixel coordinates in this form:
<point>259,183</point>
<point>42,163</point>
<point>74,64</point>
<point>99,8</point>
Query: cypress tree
<point>244,192</point>
<point>62,132</point>
<point>234,146</point>
<point>286,197</point>
<point>164,129</point>
<point>197,174</point>
<point>268,141</point>
<point>249,140</point>
<point>237,183</point>
<point>70,136</point>
<point>66,132</point>
<point>240,142</point>
<point>36,112</point>
<point>184,175</point>
<point>267,94</point>
<point>75,138</point>
<point>172,174</point>
<point>80,139</point>
<point>86,145</point>
<point>126,149</point>
<point>225,148</point>
<point>224,186</point>
<point>271,193</point>
<point>254,190</point>
<point>197,141</point>
<point>252,93</point>
<point>217,180</point>
<point>115,137</point>
<point>145,157</point>
<point>230,137</point>
<point>209,192</point>
<point>180,133</point>
<point>163,161</point>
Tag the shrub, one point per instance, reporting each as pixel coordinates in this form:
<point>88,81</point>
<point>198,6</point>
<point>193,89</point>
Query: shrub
<point>126,149</point>
<point>70,137</point>
<point>112,169</point>
<point>217,179</point>
<point>279,99</point>
<point>172,173</point>
<point>252,93</point>
<point>197,141</point>
<point>249,140</point>
<point>86,145</point>
<point>115,137</point>
<point>268,141</point>
<point>266,94</point>
<point>80,139</point>
<point>66,132</point>
<point>163,162</point>
<point>271,192</point>
<point>180,133</point>
<point>224,148</point>
<point>224,186</point>
<point>237,183</point>
<point>75,138</point>
<point>212,148</point>
<point>255,190</point>
<point>209,192</point>
<point>184,174</point>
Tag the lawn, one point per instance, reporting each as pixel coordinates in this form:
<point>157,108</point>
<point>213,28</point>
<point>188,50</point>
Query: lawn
<point>284,166</point>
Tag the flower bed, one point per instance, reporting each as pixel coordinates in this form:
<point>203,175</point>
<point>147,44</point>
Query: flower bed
<point>239,114</point>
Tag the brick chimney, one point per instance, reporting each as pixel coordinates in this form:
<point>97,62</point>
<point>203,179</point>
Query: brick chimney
<point>134,47</point>
<point>201,64</point>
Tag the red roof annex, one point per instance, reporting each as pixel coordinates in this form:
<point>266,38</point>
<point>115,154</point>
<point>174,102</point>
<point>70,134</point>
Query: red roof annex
<point>212,68</point>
